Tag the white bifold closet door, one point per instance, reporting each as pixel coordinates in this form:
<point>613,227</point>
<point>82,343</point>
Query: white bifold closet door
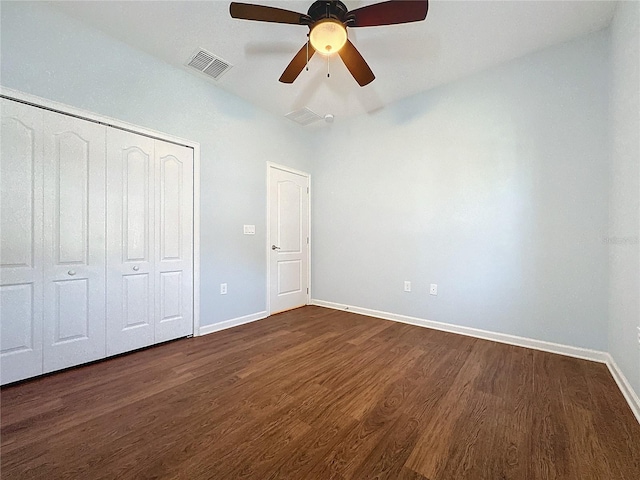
<point>21,299</point>
<point>174,241</point>
<point>74,241</point>
<point>150,241</point>
<point>131,240</point>
<point>96,247</point>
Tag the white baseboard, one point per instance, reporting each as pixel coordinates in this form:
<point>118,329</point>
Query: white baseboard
<point>625,387</point>
<point>234,322</point>
<point>577,352</point>
<point>584,353</point>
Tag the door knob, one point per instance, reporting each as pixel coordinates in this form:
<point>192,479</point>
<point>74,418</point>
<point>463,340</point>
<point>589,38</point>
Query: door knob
<point>273,247</point>
<point>71,272</point>
<point>136,268</point>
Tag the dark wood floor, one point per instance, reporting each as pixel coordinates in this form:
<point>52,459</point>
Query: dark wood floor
<point>321,394</point>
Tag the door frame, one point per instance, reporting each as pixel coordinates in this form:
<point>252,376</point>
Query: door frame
<point>277,166</point>
<point>64,109</point>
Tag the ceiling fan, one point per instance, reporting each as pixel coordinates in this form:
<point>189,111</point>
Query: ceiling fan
<point>328,21</point>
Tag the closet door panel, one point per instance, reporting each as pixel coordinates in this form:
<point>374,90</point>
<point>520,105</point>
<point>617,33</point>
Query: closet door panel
<point>74,237</point>
<point>21,306</point>
<point>131,234</point>
<point>174,259</point>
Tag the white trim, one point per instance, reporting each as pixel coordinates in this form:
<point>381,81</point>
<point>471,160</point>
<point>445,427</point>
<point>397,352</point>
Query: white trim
<point>91,116</point>
<point>625,387</point>
<point>196,238</point>
<point>112,122</point>
<point>271,165</point>
<point>577,352</point>
<point>234,322</point>
<point>287,169</point>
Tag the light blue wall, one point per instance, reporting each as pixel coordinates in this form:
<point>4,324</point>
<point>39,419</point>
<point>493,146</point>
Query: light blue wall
<point>48,54</point>
<point>495,188</point>
<point>624,224</point>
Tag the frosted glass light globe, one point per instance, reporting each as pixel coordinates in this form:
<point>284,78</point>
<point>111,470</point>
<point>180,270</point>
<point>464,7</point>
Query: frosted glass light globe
<point>328,36</point>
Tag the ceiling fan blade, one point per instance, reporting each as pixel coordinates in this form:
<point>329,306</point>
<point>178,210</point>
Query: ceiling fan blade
<point>297,64</point>
<point>261,13</point>
<point>390,13</point>
<point>356,64</point>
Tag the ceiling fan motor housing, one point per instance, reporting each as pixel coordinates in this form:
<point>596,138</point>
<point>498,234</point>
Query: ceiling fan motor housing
<point>334,9</point>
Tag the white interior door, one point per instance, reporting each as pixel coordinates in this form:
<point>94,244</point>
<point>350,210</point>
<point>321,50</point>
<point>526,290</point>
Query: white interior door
<point>130,240</point>
<point>21,243</point>
<point>74,240</point>
<point>288,239</point>
<point>174,241</point>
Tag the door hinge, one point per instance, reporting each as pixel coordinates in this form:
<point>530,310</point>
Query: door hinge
<point>307,291</point>
<point>307,240</point>
<point>307,189</point>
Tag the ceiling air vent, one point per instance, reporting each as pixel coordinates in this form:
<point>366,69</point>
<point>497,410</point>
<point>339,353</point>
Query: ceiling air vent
<point>209,64</point>
<point>304,116</point>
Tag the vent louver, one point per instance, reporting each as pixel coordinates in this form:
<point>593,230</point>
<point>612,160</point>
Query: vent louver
<point>304,116</point>
<point>209,64</point>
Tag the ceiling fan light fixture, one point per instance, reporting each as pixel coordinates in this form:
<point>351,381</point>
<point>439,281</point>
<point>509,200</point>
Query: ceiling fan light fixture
<point>328,21</point>
<point>328,36</point>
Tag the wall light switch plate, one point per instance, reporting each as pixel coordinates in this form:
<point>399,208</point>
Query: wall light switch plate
<point>249,229</point>
<point>433,289</point>
<point>407,286</point>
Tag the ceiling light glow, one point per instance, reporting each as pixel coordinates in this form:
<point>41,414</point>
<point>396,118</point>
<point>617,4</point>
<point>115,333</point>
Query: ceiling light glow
<point>328,36</point>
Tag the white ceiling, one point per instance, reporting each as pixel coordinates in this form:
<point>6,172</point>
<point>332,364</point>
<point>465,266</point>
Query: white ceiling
<point>457,39</point>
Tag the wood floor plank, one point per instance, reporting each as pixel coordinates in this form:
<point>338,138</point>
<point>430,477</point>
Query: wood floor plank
<point>360,394</point>
<point>316,393</point>
<point>430,456</point>
<point>408,474</point>
<point>613,421</point>
<point>304,454</point>
<point>510,441</point>
<point>387,458</point>
<point>549,433</point>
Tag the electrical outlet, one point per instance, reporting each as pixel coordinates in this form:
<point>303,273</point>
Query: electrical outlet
<point>433,289</point>
<point>407,286</point>
<point>638,334</point>
<point>223,289</point>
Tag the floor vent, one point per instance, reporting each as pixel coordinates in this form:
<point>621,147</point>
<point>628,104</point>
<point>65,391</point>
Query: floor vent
<point>304,116</point>
<point>209,64</point>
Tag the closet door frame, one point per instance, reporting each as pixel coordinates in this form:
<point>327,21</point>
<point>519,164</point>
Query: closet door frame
<point>46,104</point>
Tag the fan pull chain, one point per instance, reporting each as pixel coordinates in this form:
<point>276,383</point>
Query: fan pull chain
<point>328,74</point>
<point>307,65</point>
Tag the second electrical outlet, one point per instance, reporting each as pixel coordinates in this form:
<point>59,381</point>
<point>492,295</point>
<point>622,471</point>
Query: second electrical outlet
<point>223,289</point>
<point>407,286</point>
